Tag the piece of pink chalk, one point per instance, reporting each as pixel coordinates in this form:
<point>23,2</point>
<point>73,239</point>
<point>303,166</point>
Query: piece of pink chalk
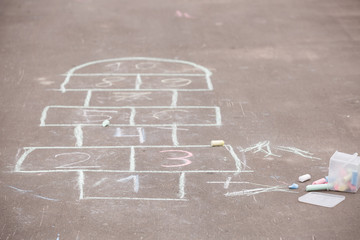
<point>320,181</point>
<point>187,15</point>
<point>178,13</point>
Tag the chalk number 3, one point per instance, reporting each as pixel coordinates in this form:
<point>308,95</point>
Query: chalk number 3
<point>184,159</point>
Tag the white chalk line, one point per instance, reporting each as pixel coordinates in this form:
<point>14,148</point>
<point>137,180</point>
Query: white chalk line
<point>182,185</point>
<point>139,199</point>
<point>133,124</point>
<point>138,82</point>
<point>227,183</point>
<point>78,133</point>
<point>170,128</point>
<point>174,135</point>
<point>136,74</point>
<point>142,135</point>
<point>132,116</point>
<point>20,190</point>
<point>107,147</point>
<point>81,167</point>
<point>244,161</point>
<point>242,109</point>
<point>81,181</point>
<point>140,107</point>
<point>127,171</point>
<point>297,151</point>
<point>235,157</point>
<point>174,99</point>
<point>239,182</point>
<point>22,158</point>
<point>208,81</point>
<point>43,116</point>
<point>250,192</point>
<point>33,194</point>
<point>132,159</point>
<point>87,99</point>
<point>218,115</point>
<point>99,182</point>
<point>133,89</point>
<point>71,72</point>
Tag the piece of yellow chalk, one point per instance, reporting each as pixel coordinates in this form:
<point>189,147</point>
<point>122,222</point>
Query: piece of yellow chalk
<point>348,177</point>
<point>217,143</point>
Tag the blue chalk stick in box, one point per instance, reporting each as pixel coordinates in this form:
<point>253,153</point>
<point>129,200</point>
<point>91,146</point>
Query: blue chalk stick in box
<point>354,177</point>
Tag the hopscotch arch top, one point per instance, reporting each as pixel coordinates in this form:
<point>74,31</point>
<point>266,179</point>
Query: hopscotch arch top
<point>195,70</point>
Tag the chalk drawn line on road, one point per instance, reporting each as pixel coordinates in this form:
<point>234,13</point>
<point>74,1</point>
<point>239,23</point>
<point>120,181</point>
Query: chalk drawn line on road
<point>131,90</point>
<point>262,188</point>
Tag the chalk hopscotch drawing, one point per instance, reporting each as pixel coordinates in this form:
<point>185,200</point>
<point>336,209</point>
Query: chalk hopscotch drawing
<point>123,91</point>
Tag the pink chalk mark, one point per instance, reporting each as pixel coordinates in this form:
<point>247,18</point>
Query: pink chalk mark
<point>178,13</point>
<point>183,158</point>
<point>185,15</point>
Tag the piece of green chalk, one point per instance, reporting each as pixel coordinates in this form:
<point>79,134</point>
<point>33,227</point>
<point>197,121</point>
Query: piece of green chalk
<point>317,187</point>
<point>106,123</point>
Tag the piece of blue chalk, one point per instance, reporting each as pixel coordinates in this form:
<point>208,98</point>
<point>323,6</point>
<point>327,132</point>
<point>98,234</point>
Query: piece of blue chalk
<point>354,177</point>
<point>294,186</point>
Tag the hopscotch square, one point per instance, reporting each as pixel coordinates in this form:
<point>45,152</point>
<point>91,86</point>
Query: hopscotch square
<point>72,116</point>
<point>181,116</point>
<point>203,98</point>
<point>131,185</point>
<point>71,159</point>
<point>187,159</point>
<point>178,82</point>
<point>189,135</point>
<point>102,82</point>
<point>131,98</point>
<point>126,136</point>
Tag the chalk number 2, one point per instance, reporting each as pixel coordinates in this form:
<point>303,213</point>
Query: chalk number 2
<point>184,159</point>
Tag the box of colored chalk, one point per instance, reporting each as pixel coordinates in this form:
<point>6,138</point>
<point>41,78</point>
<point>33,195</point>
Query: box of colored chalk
<point>344,172</point>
